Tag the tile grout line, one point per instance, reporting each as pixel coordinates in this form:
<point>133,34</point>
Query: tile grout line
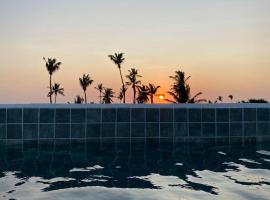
<point>100,123</point>
<point>130,111</point>
<point>85,124</point>
<point>54,119</point>
<point>70,124</point>
<point>38,124</point>
<point>115,125</point>
<point>22,123</point>
<point>6,124</point>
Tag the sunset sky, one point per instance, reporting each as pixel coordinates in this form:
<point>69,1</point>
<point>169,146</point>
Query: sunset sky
<point>223,44</point>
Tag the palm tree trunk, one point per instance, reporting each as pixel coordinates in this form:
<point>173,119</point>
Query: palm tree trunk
<point>55,98</point>
<point>85,100</point>
<point>123,85</point>
<point>100,97</point>
<point>134,95</point>
<point>152,99</point>
<point>50,89</point>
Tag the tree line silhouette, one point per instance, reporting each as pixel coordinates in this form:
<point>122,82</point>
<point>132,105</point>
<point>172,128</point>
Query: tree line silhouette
<point>180,90</point>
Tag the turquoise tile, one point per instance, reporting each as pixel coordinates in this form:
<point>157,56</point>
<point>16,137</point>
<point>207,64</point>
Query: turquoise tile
<point>180,129</point>
<point>195,129</point>
<point>250,129</point>
<point>263,114</point>
<point>236,141</point>
<point>250,114</point>
<point>236,129</point>
<point>46,115</point>
<point>3,116</point>
<point>108,115</point>
<point>93,130</point>
<point>30,116</point>
<point>263,129</point>
<point>222,115</point>
<point>152,114</point>
<point>14,115</point>
<point>108,130</point>
<point>78,131</point>
<point>138,115</point>
<point>30,131</point>
<point>3,131</point>
<point>14,131</point>
<point>137,130</point>
<point>209,129</point>
<point>123,130</point>
<point>62,131</point>
<point>123,115</point>
<point>180,115</point>
<point>236,115</point>
<point>62,116</point>
<point>166,115</point>
<point>46,131</point>
<point>208,115</point>
<point>195,115</point>
<point>166,130</point>
<point>250,140</point>
<point>223,129</point>
<point>152,130</point>
<point>223,141</point>
<point>93,115</point>
<point>78,116</point>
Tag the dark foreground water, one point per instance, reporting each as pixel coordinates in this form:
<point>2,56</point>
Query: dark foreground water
<point>135,171</point>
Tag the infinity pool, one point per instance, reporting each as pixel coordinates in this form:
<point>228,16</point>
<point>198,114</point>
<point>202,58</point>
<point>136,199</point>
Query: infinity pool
<point>150,170</point>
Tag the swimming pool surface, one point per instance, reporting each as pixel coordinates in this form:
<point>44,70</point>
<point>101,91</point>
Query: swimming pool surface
<point>150,170</point>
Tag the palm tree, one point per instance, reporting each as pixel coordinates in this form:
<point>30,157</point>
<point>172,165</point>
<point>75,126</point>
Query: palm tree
<point>219,99</point>
<point>118,59</point>
<point>152,91</point>
<point>143,95</point>
<point>120,97</point>
<point>180,90</point>
<point>132,77</point>
<point>108,94</point>
<point>52,66</point>
<point>78,100</point>
<point>100,89</point>
<point>121,93</point>
<point>85,82</point>
<point>231,97</point>
<point>56,89</point>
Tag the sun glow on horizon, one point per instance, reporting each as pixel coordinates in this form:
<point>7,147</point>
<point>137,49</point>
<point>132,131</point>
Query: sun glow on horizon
<point>161,97</point>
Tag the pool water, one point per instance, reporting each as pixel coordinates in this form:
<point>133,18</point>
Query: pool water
<point>150,170</point>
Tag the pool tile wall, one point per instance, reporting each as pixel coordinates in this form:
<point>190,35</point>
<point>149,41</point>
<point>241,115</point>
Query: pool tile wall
<point>132,122</point>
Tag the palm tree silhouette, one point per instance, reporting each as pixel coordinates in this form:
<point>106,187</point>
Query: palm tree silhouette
<point>152,91</point>
<point>143,94</point>
<point>85,82</point>
<point>121,94</point>
<point>180,90</point>
<point>108,94</point>
<point>133,82</point>
<point>78,100</point>
<point>120,97</point>
<point>118,59</point>
<point>219,99</point>
<point>100,89</point>
<point>52,66</point>
<point>56,89</point>
<point>231,97</point>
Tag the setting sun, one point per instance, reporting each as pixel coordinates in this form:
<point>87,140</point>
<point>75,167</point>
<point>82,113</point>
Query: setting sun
<point>161,97</point>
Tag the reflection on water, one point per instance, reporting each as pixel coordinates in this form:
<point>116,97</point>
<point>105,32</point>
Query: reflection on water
<point>149,170</point>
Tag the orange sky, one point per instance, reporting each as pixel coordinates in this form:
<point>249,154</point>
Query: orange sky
<point>224,46</point>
